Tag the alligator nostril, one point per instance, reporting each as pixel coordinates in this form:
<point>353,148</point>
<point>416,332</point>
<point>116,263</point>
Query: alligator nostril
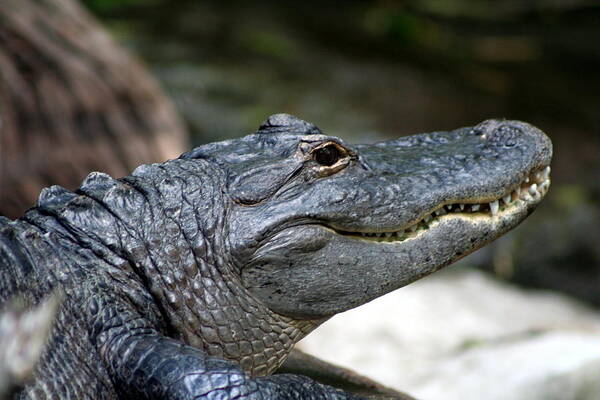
<point>505,135</point>
<point>477,131</point>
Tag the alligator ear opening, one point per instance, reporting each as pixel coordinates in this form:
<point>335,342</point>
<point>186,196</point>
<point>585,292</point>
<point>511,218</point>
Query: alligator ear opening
<point>259,183</point>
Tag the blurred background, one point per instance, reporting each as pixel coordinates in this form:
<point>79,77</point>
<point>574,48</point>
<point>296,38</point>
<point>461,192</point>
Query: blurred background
<point>365,71</point>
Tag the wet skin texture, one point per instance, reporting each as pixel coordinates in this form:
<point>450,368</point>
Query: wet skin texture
<point>193,278</point>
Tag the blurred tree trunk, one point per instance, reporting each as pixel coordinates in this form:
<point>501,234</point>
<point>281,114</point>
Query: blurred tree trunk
<point>72,102</point>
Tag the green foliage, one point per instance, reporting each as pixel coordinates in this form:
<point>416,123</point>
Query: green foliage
<point>269,44</point>
<point>394,22</point>
<point>101,6</point>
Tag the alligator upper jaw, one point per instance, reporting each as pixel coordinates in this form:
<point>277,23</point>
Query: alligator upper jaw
<point>524,195</point>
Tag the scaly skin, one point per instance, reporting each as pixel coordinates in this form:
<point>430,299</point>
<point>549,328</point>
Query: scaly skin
<point>194,278</point>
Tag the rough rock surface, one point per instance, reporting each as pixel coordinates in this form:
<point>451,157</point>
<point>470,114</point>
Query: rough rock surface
<point>462,335</point>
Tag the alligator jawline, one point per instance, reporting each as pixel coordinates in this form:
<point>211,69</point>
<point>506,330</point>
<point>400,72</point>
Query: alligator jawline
<point>531,190</point>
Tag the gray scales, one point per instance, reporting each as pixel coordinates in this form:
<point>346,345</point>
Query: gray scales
<point>194,278</point>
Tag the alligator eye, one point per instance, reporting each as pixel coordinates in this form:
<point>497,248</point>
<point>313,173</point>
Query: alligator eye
<point>329,154</point>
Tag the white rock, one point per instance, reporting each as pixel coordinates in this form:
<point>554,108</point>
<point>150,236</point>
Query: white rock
<point>463,335</point>
<point>557,365</point>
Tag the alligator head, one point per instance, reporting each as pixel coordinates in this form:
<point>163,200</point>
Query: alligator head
<point>317,226</point>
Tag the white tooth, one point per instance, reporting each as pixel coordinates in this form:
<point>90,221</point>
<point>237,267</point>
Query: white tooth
<point>428,218</point>
<point>462,206</point>
<point>518,191</point>
<point>545,185</point>
<point>475,207</point>
<point>494,207</point>
<point>506,199</point>
<point>543,174</point>
<point>413,228</point>
<point>388,234</point>
<point>440,211</point>
<point>533,189</point>
<point>547,172</point>
<point>449,207</point>
<point>527,180</point>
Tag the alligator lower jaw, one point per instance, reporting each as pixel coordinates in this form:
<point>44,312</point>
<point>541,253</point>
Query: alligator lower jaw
<point>531,191</point>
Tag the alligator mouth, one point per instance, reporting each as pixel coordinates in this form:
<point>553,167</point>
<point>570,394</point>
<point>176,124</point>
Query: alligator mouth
<point>529,191</point>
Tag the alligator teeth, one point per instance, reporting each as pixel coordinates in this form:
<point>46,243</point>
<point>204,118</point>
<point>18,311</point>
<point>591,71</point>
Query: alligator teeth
<point>533,188</point>
<point>539,176</point>
<point>494,207</point>
<point>542,176</point>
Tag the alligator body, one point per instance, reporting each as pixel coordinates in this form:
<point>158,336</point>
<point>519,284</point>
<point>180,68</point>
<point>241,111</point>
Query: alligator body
<point>195,277</point>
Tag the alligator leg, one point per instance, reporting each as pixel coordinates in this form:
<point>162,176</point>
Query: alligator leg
<point>144,363</point>
<point>301,363</point>
<point>156,367</point>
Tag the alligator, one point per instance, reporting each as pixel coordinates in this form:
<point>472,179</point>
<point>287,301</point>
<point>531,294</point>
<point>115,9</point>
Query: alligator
<point>195,277</point>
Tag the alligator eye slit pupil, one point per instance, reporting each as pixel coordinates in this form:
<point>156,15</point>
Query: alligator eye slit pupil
<point>327,155</point>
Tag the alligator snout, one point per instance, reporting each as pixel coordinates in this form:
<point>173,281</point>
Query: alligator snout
<point>506,134</point>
